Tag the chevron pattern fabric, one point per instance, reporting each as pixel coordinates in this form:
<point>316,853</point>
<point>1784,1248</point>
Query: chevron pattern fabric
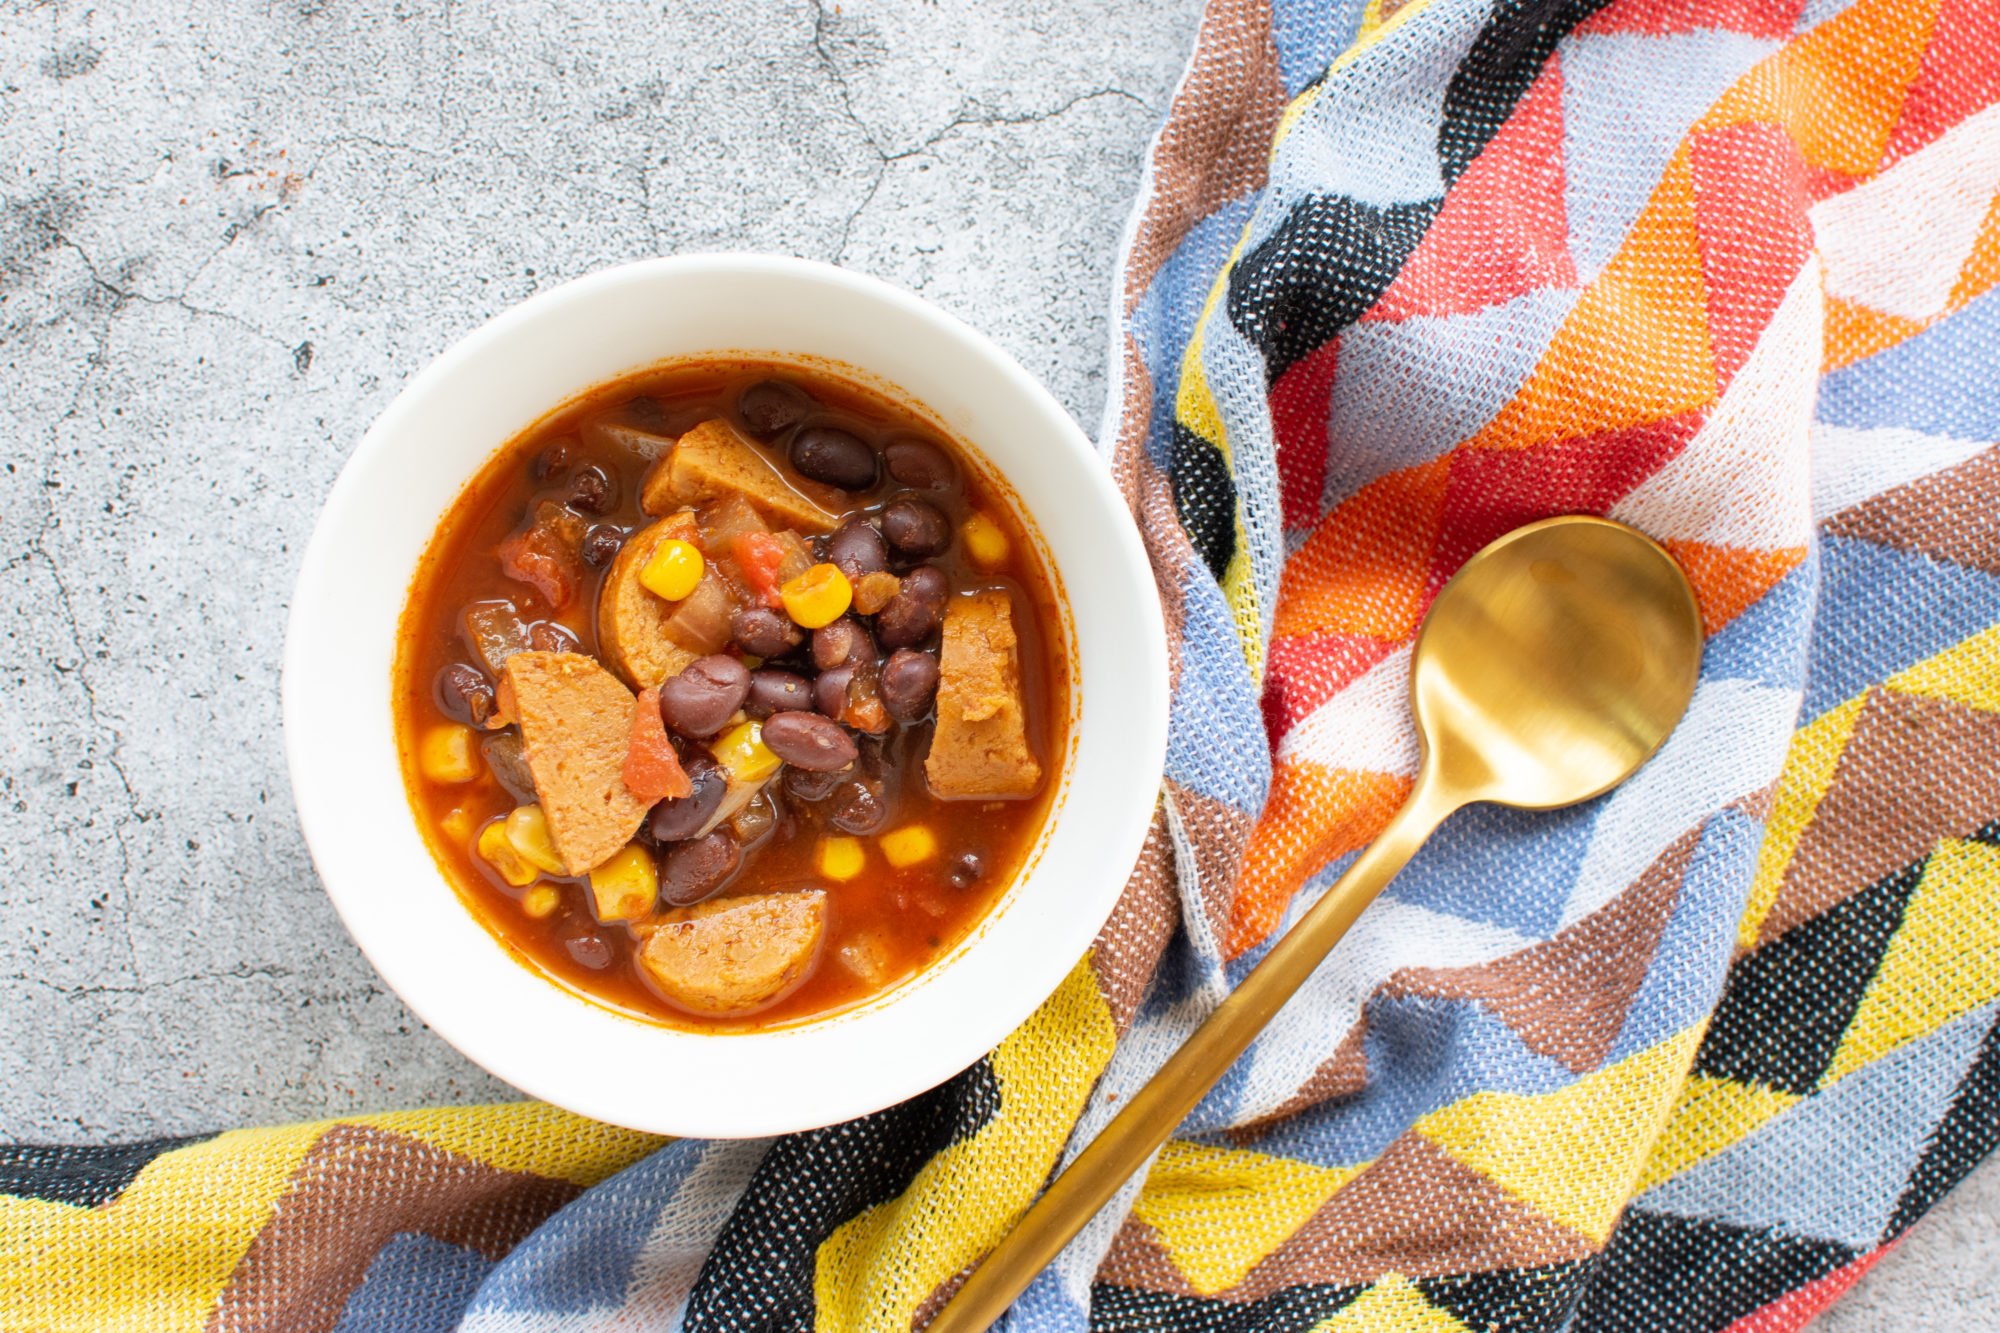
<point>1691,1056</point>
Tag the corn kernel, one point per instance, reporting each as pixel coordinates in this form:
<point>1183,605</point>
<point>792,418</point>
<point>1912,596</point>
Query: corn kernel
<point>742,751</point>
<point>625,886</point>
<point>840,858</point>
<point>498,851</point>
<point>817,597</point>
<point>447,753</point>
<point>541,901</point>
<point>673,571</point>
<point>908,846</point>
<point>528,830</point>
<point>457,824</point>
<point>985,542</point>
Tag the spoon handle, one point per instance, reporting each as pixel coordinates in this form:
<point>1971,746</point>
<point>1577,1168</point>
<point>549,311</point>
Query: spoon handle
<point>1158,1108</point>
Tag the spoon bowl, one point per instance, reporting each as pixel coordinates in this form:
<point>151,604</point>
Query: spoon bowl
<point>1550,667</point>
<point>1554,663</point>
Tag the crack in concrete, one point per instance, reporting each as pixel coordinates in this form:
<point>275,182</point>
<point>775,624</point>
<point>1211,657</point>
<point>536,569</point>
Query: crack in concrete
<point>66,609</point>
<point>854,214</point>
<point>229,238</point>
<point>823,42</point>
<point>960,120</point>
<point>104,741</point>
<point>821,22</point>
<point>240,972</point>
<point>121,296</point>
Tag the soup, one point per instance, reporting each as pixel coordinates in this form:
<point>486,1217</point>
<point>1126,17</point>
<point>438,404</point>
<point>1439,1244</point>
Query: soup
<point>732,694</point>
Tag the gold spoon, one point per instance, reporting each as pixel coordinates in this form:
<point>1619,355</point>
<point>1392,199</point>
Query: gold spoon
<point>1549,668</point>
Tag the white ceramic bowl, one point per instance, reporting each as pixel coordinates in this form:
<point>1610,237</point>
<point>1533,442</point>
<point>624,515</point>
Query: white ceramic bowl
<point>342,751</point>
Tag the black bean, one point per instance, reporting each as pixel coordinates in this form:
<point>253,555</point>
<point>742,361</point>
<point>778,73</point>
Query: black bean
<point>807,740</point>
<point>692,871</point>
<point>860,809</point>
<point>841,643</point>
<point>464,694</point>
<point>552,461</point>
<point>856,549</point>
<point>773,690</point>
<point>706,694</point>
<point>966,868</point>
<point>648,414</point>
<point>915,612</point>
<point>773,407</point>
<point>763,632</point>
<point>805,785</point>
<point>830,690</point>
<point>547,636</point>
<point>929,584</point>
<point>593,490</point>
<point>601,545</point>
<point>915,529</point>
<point>921,464</point>
<point>834,456</point>
<point>909,683</point>
<point>589,951</point>
<point>797,660</point>
<point>680,818</point>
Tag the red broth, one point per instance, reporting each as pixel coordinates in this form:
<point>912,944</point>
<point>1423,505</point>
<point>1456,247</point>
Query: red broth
<point>591,458</point>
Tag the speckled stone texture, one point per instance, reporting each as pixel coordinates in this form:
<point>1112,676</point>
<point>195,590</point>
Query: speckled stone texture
<point>230,233</point>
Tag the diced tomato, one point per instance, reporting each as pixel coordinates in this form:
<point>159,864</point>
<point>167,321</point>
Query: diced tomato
<point>864,710</point>
<point>866,714</point>
<point>537,558</point>
<point>761,557</point>
<point>653,771</point>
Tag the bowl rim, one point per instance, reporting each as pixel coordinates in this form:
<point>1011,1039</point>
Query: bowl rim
<point>1126,810</point>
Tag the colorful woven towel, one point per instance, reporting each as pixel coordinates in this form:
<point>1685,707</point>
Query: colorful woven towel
<point>1691,1056</point>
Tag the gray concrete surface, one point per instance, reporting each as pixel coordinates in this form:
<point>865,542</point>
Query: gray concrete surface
<point>229,231</point>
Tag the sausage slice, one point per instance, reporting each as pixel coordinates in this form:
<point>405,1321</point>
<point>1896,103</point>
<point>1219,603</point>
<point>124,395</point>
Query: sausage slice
<point>631,620</point>
<point>576,724</point>
<point>732,955</point>
<point>712,461</point>
<point>981,746</point>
